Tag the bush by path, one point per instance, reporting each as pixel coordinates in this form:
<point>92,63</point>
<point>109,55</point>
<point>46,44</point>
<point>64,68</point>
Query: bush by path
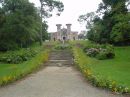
<point>62,47</point>
<point>110,74</point>
<point>100,52</point>
<point>13,72</point>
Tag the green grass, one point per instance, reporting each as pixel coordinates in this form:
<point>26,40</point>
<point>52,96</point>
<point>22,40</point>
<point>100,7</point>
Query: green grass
<point>12,72</point>
<point>117,69</point>
<point>9,69</point>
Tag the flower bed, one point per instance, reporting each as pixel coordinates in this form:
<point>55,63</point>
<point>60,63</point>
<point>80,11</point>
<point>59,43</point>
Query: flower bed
<point>96,80</point>
<point>12,72</point>
<point>101,52</point>
<point>63,47</point>
<point>16,57</point>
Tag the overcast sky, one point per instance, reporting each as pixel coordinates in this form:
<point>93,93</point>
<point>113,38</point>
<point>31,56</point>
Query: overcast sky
<point>72,10</point>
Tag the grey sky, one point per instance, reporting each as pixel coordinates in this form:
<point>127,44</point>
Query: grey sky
<point>73,8</point>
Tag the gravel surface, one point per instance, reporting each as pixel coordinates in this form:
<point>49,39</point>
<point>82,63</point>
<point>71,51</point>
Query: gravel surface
<point>54,81</point>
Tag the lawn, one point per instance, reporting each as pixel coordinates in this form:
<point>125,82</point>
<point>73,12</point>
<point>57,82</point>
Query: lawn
<point>16,69</point>
<point>12,72</point>
<point>117,69</point>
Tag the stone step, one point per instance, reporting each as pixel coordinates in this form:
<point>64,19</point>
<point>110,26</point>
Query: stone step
<point>60,58</point>
<point>60,63</point>
<point>64,55</point>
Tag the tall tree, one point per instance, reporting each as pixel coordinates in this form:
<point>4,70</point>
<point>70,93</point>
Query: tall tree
<point>47,6</point>
<point>21,23</point>
<point>113,26</point>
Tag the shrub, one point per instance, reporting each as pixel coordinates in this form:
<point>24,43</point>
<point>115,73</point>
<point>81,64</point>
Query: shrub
<point>27,67</point>
<point>92,52</point>
<point>94,79</point>
<point>101,52</point>
<point>16,57</point>
<point>101,56</point>
<point>105,55</point>
<point>62,47</point>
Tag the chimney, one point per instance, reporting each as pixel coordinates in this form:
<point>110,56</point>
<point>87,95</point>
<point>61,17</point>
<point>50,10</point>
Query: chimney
<point>68,28</point>
<point>58,27</point>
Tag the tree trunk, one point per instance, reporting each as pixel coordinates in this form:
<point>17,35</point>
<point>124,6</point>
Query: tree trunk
<point>41,40</point>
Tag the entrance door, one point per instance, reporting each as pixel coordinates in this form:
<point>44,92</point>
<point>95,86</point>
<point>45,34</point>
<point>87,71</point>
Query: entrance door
<point>64,38</point>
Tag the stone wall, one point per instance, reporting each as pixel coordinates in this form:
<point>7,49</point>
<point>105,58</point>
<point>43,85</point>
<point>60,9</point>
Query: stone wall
<point>64,34</point>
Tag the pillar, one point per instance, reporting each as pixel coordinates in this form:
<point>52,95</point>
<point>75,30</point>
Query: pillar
<point>58,31</point>
<point>69,31</point>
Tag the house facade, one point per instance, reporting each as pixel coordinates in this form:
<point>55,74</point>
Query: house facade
<point>64,33</point>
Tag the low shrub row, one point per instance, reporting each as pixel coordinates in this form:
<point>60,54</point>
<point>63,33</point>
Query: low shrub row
<point>96,80</point>
<point>18,71</point>
<point>16,57</point>
<point>101,52</point>
<point>62,47</point>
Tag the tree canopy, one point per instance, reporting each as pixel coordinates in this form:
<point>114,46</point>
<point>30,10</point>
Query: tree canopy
<point>110,23</point>
<point>20,22</point>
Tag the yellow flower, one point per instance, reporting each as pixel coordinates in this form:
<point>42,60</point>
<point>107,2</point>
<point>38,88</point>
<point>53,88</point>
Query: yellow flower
<point>113,83</point>
<point>87,72</point>
<point>114,89</point>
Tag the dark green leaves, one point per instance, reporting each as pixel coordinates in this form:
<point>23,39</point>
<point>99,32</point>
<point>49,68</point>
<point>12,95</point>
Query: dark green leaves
<point>113,27</point>
<point>47,6</point>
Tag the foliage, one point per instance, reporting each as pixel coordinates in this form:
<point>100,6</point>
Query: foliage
<point>47,6</point>
<point>83,63</point>
<point>88,18</point>
<point>62,47</point>
<point>14,57</point>
<point>21,55</point>
<point>12,72</point>
<point>121,32</point>
<point>110,24</point>
<point>45,35</point>
<point>21,24</point>
<point>100,51</point>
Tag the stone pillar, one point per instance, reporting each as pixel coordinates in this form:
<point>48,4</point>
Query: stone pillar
<point>69,31</point>
<point>58,27</point>
<point>58,31</point>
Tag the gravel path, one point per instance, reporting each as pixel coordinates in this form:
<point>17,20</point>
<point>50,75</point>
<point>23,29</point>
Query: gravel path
<point>55,81</point>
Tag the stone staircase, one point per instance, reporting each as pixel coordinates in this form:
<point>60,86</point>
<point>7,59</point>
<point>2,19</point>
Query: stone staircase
<point>60,58</point>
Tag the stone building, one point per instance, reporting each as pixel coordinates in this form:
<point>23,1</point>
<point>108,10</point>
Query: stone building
<point>64,33</point>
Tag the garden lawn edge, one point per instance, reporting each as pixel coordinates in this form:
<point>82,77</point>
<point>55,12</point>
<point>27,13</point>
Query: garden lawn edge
<point>80,60</point>
<point>33,64</point>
